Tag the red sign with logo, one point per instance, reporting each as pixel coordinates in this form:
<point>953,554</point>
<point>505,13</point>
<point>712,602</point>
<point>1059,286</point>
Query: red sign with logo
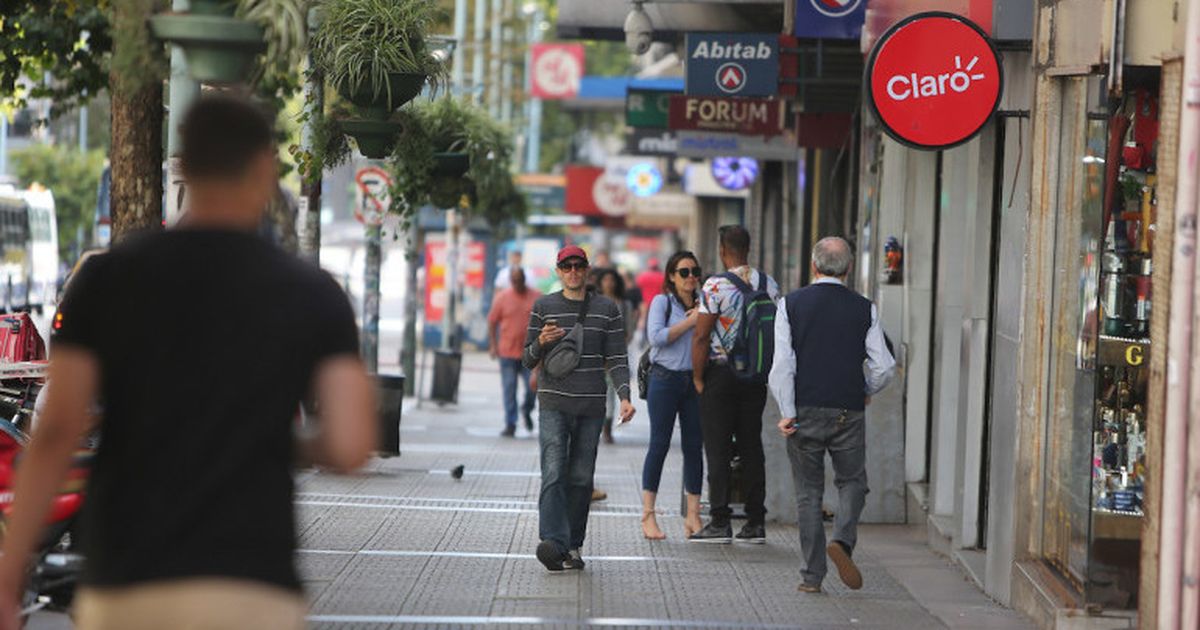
<point>749,116</point>
<point>557,70</point>
<point>934,80</point>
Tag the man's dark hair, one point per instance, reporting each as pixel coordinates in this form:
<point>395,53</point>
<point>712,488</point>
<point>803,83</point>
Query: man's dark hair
<point>735,239</point>
<point>221,134</point>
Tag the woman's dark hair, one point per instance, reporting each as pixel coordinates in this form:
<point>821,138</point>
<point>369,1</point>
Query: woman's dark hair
<point>617,279</point>
<point>672,264</point>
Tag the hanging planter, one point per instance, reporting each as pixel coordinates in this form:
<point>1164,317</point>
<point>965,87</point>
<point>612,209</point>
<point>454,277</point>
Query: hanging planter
<point>451,164</point>
<point>375,52</point>
<point>446,192</point>
<point>375,138</point>
<point>219,48</point>
<point>400,88</point>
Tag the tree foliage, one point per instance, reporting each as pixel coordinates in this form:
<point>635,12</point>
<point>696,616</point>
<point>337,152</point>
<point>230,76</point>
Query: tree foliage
<point>73,177</point>
<point>68,39</point>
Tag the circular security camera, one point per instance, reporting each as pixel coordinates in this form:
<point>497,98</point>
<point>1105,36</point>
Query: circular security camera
<point>638,30</point>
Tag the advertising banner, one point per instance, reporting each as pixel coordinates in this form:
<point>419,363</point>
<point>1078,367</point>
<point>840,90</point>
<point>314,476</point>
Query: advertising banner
<point>830,19</point>
<point>933,80</point>
<point>647,108</point>
<point>557,70</point>
<point>751,116</point>
<point>732,64</point>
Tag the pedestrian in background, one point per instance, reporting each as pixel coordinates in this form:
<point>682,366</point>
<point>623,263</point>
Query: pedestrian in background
<point>504,276</point>
<point>634,296</point>
<point>572,403</point>
<point>649,282</point>
<point>670,324</point>
<point>611,286</point>
<point>189,520</point>
<point>730,406</point>
<point>825,334</point>
<point>507,322</point>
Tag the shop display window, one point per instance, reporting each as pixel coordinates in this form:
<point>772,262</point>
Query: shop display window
<point>1103,292</point>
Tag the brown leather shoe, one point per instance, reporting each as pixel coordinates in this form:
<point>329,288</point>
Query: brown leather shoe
<point>847,570</point>
<point>598,494</point>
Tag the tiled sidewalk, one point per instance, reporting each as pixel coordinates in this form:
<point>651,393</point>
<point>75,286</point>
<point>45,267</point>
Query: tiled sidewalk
<point>406,545</point>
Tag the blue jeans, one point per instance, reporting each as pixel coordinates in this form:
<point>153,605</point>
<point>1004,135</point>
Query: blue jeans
<point>511,371</point>
<point>672,393</point>
<point>568,444</point>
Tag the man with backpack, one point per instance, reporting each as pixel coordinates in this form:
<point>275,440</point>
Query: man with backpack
<point>731,357</point>
<point>830,356</point>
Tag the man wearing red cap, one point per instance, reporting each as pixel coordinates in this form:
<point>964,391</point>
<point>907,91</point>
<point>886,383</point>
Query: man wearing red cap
<point>572,401</point>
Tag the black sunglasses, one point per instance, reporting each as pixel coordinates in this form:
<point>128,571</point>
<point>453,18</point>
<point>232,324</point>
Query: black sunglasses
<point>569,266</point>
<point>685,272</point>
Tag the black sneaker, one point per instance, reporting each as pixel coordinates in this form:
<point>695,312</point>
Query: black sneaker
<point>509,432</point>
<point>713,533</point>
<point>528,420</point>
<point>574,561</point>
<point>755,534</point>
<point>550,556</point>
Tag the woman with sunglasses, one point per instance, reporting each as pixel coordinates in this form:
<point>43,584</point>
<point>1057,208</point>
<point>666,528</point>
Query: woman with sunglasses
<point>669,323</point>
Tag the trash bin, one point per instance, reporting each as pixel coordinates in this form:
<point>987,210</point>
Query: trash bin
<point>447,366</point>
<point>391,404</point>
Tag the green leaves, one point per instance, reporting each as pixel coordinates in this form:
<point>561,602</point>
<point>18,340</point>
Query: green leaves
<point>68,40</point>
<point>73,177</point>
<point>360,42</point>
<point>453,125</point>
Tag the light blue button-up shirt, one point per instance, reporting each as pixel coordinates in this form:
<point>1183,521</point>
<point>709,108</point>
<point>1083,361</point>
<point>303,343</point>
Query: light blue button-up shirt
<point>877,368</point>
<point>676,355</point>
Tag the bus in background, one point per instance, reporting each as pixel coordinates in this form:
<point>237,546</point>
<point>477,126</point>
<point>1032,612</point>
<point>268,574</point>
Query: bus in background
<point>43,247</point>
<point>28,249</point>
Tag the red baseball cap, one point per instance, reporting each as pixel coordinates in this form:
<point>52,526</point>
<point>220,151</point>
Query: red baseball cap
<point>572,251</point>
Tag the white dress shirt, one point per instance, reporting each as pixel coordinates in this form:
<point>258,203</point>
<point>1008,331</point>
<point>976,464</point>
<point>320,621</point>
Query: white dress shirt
<point>878,368</point>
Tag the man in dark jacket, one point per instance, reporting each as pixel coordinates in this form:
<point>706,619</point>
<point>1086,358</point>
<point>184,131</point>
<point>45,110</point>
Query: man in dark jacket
<point>830,356</point>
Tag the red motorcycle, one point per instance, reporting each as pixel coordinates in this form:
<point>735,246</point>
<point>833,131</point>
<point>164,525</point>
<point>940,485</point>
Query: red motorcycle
<point>58,563</point>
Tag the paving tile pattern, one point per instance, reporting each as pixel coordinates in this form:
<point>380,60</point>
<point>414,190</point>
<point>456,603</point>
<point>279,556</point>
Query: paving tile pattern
<point>406,545</point>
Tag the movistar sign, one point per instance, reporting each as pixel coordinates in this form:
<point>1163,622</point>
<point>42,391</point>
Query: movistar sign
<point>732,64</point>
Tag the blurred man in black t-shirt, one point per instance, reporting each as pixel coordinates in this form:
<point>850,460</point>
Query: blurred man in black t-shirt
<point>189,505</point>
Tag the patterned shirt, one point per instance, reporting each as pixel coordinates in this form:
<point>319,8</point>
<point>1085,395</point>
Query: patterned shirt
<point>721,298</point>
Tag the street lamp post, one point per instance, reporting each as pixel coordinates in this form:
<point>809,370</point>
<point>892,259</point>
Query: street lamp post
<point>533,11</point>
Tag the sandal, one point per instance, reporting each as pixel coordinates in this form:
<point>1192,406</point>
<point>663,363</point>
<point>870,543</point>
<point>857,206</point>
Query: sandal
<point>649,519</point>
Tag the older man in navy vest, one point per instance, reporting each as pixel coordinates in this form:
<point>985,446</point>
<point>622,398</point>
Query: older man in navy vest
<point>830,357</point>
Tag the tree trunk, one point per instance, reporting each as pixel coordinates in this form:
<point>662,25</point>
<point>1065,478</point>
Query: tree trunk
<point>136,158</point>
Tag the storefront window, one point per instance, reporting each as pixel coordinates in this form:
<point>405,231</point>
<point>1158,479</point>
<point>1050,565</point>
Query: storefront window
<point>1096,432</point>
<point>1075,334</point>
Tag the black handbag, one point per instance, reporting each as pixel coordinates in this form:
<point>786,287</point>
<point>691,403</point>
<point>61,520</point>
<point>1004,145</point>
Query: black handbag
<point>643,370</point>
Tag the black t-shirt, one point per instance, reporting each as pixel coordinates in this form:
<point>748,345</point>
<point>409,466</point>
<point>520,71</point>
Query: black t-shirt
<point>207,340</point>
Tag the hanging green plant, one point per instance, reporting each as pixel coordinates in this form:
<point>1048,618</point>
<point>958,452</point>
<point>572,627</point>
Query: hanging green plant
<point>374,51</point>
<point>451,149</point>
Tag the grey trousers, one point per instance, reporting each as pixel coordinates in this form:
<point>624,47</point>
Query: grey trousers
<point>843,434</point>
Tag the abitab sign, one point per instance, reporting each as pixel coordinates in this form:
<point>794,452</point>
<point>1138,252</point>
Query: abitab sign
<point>933,80</point>
<point>732,64</point>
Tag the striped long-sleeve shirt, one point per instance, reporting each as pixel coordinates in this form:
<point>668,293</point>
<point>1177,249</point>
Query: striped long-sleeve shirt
<point>583,391</point>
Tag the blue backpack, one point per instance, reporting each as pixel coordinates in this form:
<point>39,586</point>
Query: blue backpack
<point>754,347</point>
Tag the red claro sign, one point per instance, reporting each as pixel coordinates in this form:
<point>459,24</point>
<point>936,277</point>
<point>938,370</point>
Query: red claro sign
<point>933,80</point>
